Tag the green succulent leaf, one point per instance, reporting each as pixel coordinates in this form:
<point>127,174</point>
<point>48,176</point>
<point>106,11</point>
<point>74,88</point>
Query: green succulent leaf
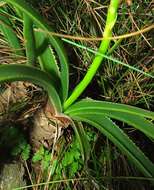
<point>55,42</point>
<point>120,139</point>
<point>45,54</point>
<point>15,72</point>
<point>98,59</point>
<point>94,105</point>
<point>29,40</point>
<point>82,139</point>
<point>133,116</point>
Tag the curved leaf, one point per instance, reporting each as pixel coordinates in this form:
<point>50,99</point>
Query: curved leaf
<point>120,139</point>
<point>133,116</point>
<point>56,43</point>
<point>82,138</point>
<point>108,106</point>
<point>15,72</point>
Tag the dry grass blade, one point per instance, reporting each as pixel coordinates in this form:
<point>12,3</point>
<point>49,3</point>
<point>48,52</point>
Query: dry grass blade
<point>81,38</point>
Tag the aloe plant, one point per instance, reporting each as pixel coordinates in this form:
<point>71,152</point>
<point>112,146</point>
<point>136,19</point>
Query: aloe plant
<point>40,47</point>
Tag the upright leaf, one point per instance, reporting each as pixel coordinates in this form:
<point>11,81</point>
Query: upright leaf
<point>56,43</point>
<point>29,40</point>
<point>46,55</point>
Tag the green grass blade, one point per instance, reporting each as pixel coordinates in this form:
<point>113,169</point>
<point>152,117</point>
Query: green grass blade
<point>10,35</point>
<point>115,61</point>
<point>120,139</point>
<point>56,43</point>
<point>29,40</point>
<point>15,72</point>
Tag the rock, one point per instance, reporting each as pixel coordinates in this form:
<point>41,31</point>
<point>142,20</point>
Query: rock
<point>12,176</point>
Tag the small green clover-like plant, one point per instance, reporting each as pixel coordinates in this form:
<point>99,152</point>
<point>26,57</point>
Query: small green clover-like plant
<point>22,148</point>
<point>25,154</point>
<point>38,156</point>
<point>43,156</point>
<point>54,78</point>
<point>72,160</point>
